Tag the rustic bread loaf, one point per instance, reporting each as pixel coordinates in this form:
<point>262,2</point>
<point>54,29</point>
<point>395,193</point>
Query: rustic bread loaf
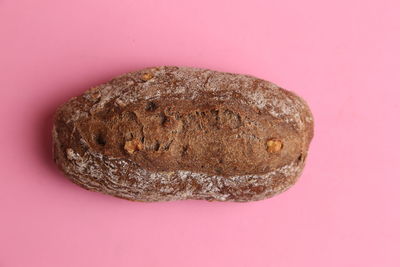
<point>171,133</point>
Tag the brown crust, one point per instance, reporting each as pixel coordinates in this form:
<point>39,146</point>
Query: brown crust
<point>171,133</point>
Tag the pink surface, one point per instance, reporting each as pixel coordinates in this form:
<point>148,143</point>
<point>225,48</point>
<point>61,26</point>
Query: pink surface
<point>341,56</point>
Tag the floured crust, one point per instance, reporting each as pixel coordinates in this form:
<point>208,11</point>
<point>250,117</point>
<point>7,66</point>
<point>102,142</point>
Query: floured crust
<point>171,133</point>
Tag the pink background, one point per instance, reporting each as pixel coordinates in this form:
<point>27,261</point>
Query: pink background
<point>341,56</point>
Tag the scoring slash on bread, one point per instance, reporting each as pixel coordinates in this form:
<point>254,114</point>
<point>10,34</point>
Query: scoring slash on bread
<point>174,133</point>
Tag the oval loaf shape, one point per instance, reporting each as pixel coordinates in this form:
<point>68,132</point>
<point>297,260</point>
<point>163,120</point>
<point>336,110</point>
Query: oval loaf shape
<point>172,133</point>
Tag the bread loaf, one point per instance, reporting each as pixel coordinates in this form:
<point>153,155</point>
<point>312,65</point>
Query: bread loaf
<point>173,133</point>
